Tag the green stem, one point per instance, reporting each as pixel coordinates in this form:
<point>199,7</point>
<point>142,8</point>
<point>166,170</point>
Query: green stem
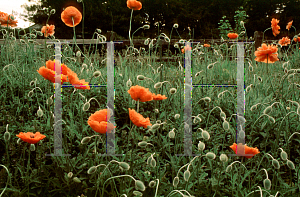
<point>264,34</point>
<point>131,44</point>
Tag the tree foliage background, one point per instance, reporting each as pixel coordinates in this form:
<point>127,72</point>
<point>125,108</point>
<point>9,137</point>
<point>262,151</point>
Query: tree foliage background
<point>200,16</point>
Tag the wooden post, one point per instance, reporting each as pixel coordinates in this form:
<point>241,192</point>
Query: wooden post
<point>258,36</point>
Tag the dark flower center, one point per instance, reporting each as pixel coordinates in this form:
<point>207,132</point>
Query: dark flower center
<point>32,136</point>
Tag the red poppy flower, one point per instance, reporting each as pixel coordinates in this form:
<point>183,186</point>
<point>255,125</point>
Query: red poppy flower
<point>232,35</point>
<point>297,39</point>
<point>289,25</point>
<point>159,97</point>
<point>248,150</point>
<point>78,84</point>
<point>69,13</point>
<point>139,93</point>
<point>99,122</point>
<point>138,119</point>
<point>51,65</point>
<point>285,41</point>
<point>48,30</point>
<point>275,26</point>
<point>134,4</point>
<point>30,137</point>
<point>7,20</point>
<point>266,54</point>
<point>206,45</point>
<point>50,74</point>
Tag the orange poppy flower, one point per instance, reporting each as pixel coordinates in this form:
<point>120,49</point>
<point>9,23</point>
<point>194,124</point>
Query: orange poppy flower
<point>186,48</point>
<point>7,20</point>
<point>69,13</point>
<point>266,54</point>
<point>30,137</point>
<point>78,84</point>
<point>232,35</point>
<point>275,26</point>
<point>134,4</point>
<point>98,122</point>
<point>50,74</point>
<point>285,41</point>
<point>297,39</point>
<point>159,97</point>
<point>51,65</point>
<point>48,30</point>
<point>138,119</point>
<point>248,150</point>
<point>206,45</point>
<point>289,25</point>
<point>139,93</point>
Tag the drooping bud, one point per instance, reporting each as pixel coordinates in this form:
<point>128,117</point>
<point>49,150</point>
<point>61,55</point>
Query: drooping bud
<point>210,155</point>
<point>175,181</point>
<point>225,125</point>
<point>40,112</point>
<point>32,147</point>
<point>205,135</point>
<point>177,116</point>
<point>124,165</point>
<point>223,158</point>
<point>142,144</point>
<point>201,146</point>
<point>97,73</point>
<point>283,155</point>
<point>86,106</point>
<point>276,164</point>
<point>229,168</point>
<point>290,164</point>
<point>139,185</point>
<point>158,85</point>
<point>186,175</point>
<point>268,110</point>
<point>129,83</point>
<point>92,170</point>
<point>140,77</point>
<point>172,134</point>
<point>86,140</point>
<point>76,180</point>
<point>267,184</point>
<point>173,90</point>
<point>152,184</point>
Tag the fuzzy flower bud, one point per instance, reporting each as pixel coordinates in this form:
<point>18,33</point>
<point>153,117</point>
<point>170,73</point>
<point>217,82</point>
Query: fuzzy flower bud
<point>158,85</point>
<point>201,146</point>
<point>140,77</point>
<point>205,135</point>
<point>290,164</point>
<point>175,181</point>
<point>210,155</point>
<point>267,184</point>
<point>186,175</point>
<point>92,170</point>
<point>129,83</point>
<point>172,134</point>
<point>32,147</point>
<point>139,185</point>
<point>86,140</point>
<point>40,112</point>
<point>97,74</point>
<point>225,125</point>
<point>223,158</point>
<point>177,116</point>
<point>173,90</point>
<point>152,184</point>
<point>175,25</point>
<point>124,165</point>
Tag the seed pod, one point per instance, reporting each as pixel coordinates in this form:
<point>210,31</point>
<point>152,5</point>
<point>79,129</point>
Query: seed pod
<point>186,175</point>
<point>223,158</point>
<point>158,85</point>
<point>276,164</point>
<point>177,116</point>
<point>175,181</point>
<point>229,168</point>
<point>70,174</point>
<point>267,184</point>
<point>32,147</point>
<point>86,140</point>
<point>140,77</point>
<point>76,180</point>
<point>201,146</point>
<point>205,135</point>
<point>225,125</point>
<point>142,144</point>
<point>124,165</point>
<point>92,170</point>
<point>268,110</point>
<point>173,90</point>
<point>210,155</point>
<point>86,106</point>
<point>139,185</point>
<point>152,184</point>
<point>283,155</point>
<point>290,164</point>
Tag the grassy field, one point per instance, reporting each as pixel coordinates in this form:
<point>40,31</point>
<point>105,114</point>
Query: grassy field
<point>150,165</point>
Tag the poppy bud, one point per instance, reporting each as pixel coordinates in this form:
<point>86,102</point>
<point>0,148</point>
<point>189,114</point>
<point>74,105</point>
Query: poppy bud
<point>176,46</point>
<point>172,134</point>
<point>40,112</point>
<point>210,155</point>
<point>146,42</point>
<point>19,141</point>
<point>248,88</point>
<point>142,144</point>
<point>288,108</point>
<point>86,140</point>
<point>139,185</point>
<point>99,31</point>
<point>167,39</point>
<point>267,184</point>
<point>175,181</point>
<point>186,175</point>
<point>175,25</point>
<point>7,136</point>
<point>140,77</point>
<point>259,78</point>
<point>225,125</point>
<point>290,164</point>
<point>177,116</point>
<point>156,111</point>
<point>268,110</point>
<point>70,174</point>
<point>49,101</point>
<point>197,119</point>
<point>272,119</point>
<point>223,158</point>
<point>173,90</point>
<point>207,99</point>
<point>86,106</point>
<point>151,44</point>
<point>137,193</point>
<point>129,83</point>
<point>32,147</point>
<point>201,146</point>
<point>124,165</point>
<point>92,170</point>
<point>30,94</point>
<point>276,164</point>
<point>78,54</point>
<point>229,168</point>
<point>152,162</point>
<point>251,68</point>
<point>146,27</point>
<point>205,135</point>
<point>253,108</point>
<point>283,155</point>
<point>52,11</point>
<point>223,115</point>
<point>158,85</point>
<point>152,184</point>
<point>76,180</point>
<point>155,126</point>
<point>97,74</point>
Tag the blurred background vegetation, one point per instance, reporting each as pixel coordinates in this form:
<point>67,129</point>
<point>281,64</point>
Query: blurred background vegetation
<point>202,17</point>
